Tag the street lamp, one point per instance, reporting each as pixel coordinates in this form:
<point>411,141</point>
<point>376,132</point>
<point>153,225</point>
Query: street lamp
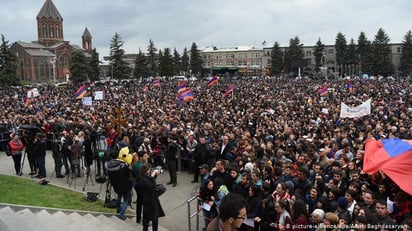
<point>53,62</point>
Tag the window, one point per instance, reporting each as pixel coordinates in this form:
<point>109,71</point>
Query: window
<point>330,52</point>
<point>308,53</point>
<point>399,49</point>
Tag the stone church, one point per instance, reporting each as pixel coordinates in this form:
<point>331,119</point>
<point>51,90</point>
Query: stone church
<point>47,59</point>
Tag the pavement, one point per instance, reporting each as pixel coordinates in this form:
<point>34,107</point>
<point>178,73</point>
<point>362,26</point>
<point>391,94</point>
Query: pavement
<point>173,201</point>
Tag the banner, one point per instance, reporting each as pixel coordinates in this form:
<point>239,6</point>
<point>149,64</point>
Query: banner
<point>32,93</point>
<point>353,112</point>
<point>98,95</point>
<point>87,101</point>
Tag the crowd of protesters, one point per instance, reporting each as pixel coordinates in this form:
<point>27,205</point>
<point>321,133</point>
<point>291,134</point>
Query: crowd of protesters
<point>275,141</point>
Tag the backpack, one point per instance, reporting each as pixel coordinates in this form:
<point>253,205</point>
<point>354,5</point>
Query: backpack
<point>119,175</point>
<point>8,150</point>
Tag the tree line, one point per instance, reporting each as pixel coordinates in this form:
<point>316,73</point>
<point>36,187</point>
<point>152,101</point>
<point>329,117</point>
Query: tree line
<point>372,57</point>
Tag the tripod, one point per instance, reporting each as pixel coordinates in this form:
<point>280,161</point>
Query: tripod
<point>87,173</point>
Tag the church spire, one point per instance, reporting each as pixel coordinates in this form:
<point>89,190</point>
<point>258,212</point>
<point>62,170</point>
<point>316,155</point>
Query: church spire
<point>87,40</point>
<point>49,24</point>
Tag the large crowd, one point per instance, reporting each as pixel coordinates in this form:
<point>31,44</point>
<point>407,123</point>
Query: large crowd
<point>277,142</point>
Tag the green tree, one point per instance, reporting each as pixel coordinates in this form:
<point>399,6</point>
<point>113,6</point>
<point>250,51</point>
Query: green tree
<point>185,62</point>
<point>140,66</point>
<point>318,52</point>
<point>406,55</point>
<point>152,59</point>
<point>177,63</point>
<point>79,67</point>
<point>166,63</point>
<point>94,66</point>
<point>8,65</point>
<point>195,60</point>
<point>341,49</point>
<point>381,54</point>
<point>352,58</point>
<point>364,51</point>
<point>293,54</point>
<point>276,60</point>
<point>118,67</point>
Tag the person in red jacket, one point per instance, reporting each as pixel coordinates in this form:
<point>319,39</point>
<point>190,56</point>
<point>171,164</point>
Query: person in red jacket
<point>16,147</point>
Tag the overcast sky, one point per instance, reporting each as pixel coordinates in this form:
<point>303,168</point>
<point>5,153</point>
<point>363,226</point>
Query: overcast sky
<point>222,23</point>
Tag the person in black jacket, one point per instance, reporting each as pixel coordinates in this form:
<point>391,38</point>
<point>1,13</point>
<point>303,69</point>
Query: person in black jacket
<point>152,208</point>
<point>201,156</point>
<point>39,152</point>
<point>172,153</point>
<point>119,176</point>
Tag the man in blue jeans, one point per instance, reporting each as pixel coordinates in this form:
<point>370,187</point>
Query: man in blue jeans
<point>119,177</point>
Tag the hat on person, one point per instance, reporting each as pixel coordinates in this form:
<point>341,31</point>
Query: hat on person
<point>319,212</point>
<point>205,166</point>
<point>332,218</point>
<point>342,203</point>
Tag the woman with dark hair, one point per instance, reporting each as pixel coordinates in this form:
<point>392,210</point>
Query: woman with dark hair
<point>16,147</point>
<point>152,209</point>
<point>207,194</point>
<point>254,202</point>
<point>300,216</point>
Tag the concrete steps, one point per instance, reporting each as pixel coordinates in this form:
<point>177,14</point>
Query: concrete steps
<point>20,218</point>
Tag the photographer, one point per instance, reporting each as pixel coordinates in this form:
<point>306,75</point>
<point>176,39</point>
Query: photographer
<point>152,208</point>
<point>39,151</point>
<point>66,142</point>
<point>172,153</point>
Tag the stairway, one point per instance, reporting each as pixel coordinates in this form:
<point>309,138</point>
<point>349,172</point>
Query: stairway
<point>23,218</point>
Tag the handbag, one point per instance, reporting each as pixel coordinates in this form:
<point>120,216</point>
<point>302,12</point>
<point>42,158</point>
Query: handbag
<point>160,189</point>
<point>92,196</point>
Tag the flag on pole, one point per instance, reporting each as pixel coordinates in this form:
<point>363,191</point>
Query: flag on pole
<point>28,101</point>
<point>323,91</point>
<point>80,92</point>
<point>156,83</point>
<point>391,156</point>
<point>212,81</point>
<point>181,86</point>
<point>186,95</point>
<point>229,90</point>
<point>350,86</point>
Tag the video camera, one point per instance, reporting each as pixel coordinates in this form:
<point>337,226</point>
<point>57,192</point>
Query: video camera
<point>156,171</point>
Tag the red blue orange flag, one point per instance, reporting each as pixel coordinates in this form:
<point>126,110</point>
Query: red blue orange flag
<point>350,86</point>
<point>229,90</point>
<point>393,157</point>
<point>181,86</point>
<point>156,83</point>
<point>212,81</point>
<point>323,91</point>
<point>80,92</point>
<point>186,95</point>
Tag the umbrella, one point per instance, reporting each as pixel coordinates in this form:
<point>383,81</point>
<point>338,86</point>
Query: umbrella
<point>30,127</point>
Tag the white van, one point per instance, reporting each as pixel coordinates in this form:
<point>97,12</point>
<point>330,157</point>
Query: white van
<point>180,78</point>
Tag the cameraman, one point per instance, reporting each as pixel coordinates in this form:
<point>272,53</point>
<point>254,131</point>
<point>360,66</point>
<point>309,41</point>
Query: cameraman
<point>39,151</point>
<point>172,154</point>
<point>66,142</point>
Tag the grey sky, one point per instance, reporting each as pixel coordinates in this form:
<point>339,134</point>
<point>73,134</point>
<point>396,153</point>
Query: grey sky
<point>222,23</point>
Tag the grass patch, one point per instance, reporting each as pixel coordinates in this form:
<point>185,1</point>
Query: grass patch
<point>17,190</point>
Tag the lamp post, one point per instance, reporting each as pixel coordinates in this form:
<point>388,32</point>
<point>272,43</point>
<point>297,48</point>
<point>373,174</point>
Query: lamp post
<point>53,62</point>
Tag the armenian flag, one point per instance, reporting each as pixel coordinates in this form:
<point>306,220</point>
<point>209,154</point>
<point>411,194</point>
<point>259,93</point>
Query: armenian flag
<point>80,92</point>
<point>212,81</point>
<point>323,91</point>
<point>391,156</point>
<point>181,86</point>
<point>186,95</point>
<point>229,90</point>
<point>156,83</point>
<point>350,86</point>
